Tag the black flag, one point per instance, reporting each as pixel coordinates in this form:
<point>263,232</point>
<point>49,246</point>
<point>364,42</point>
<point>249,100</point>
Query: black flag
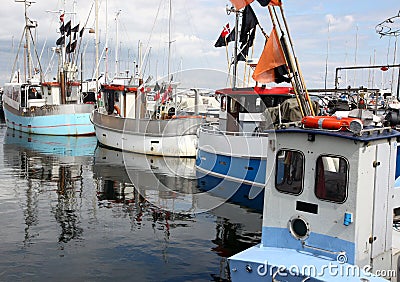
<point>60,41</point>
<point>62,29</point>
<point>244,47</point>
<point>156,87</point>
<point>249,21</point>
<point>76,28</point>
<point>247,32</point>
<point>265,3</point>
<point>81,32</point>
<point>67,28</point>
<point>70,47</point>
<point>281,74</point>
<point>73,46</point>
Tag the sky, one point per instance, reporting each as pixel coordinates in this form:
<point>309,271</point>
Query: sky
<point>326,35</point>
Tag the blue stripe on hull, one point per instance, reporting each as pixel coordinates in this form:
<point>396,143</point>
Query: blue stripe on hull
<point>66,124</point>
<point>239,168</point>
<point>277,237</point>
<point>243,194</point>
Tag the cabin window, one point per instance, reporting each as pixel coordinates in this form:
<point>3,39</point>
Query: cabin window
<point>258,105</point>
<point>223,103</point>
<point>232,106</point>
<point>289,172</point>
<point>34,93</point>
<point>331,178</point>
<point>244,105</point>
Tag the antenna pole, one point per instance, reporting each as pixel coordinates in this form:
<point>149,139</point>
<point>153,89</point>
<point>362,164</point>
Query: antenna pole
<point>117,43</point>
<point>235,56</point>
<point>169,40</point>
<point>97,44</point>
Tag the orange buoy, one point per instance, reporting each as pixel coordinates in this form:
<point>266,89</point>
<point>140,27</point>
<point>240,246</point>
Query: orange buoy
<point>327,122</point>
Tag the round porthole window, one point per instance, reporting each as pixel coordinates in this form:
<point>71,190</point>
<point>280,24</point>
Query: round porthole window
<point>299,228</point>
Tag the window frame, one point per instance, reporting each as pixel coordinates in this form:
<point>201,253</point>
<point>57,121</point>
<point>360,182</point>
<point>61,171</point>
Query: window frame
<point>302,171</point>
<point>346,178</point>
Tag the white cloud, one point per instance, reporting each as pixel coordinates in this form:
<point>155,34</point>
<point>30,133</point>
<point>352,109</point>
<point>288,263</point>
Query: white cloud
<point>339,24</point>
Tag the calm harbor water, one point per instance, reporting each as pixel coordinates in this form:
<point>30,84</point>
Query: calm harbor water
<point>73,211</point>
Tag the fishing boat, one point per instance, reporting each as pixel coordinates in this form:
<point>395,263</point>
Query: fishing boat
<point>121,124</point>
<point>330,211</point>
<point>234,148</point>
<point>330,205</point>
<point>123,121</point>
<point>53,108</point>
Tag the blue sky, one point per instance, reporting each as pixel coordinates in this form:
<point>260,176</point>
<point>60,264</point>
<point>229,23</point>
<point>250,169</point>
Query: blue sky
<point>196,24</point>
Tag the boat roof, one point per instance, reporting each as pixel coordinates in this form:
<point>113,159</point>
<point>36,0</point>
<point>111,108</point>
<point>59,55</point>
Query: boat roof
<point>256,91</point>
<point>125,88</point>
<point>369,134</point>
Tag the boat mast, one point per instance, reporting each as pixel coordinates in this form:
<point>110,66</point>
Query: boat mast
<point>106,46</point>
<point>116,43</point>
<point>235,49</point>
<point>235,59</point>
<point>97,43</point>
<point>28,25</point>
<point>61,68</point>
<point>169,40</point>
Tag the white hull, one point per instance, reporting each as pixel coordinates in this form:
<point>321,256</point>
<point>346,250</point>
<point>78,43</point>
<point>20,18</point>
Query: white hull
<point>175,137</point>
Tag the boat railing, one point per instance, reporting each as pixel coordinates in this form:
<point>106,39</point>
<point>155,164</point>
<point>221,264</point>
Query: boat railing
<point>212,128</point>
<point>58,109</point>
<point>150,127</point>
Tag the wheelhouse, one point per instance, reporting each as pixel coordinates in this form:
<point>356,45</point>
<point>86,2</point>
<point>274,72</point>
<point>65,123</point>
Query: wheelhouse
<point>241,109</point>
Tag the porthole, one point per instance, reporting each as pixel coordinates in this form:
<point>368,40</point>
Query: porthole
<point>299,227</point>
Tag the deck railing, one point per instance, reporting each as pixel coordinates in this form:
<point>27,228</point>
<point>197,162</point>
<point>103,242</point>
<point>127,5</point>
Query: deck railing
<point>212,128</point>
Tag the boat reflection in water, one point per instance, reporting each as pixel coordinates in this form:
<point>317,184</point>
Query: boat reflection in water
<point>47,164</point>
<point>167,189</point>
<point>72,211</point>
<point>247,195</point>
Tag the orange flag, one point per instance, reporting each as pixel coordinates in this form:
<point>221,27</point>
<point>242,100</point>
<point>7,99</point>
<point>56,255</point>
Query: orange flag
<point>275,3</point>
<point>271,57</point>
<point>239,4</point>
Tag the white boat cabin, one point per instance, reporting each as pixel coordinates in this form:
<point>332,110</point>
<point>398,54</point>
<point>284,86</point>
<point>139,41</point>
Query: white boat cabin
<point>26,95</point>
<point>241,109</point>
<point>329,205</point>
<point>122,101</point>
<point>23,95</point>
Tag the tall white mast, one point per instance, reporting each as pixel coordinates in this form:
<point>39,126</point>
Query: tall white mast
<point>169,40</point>
<point>117,43</point>
<point>106,45</point>
<point>97,42</point>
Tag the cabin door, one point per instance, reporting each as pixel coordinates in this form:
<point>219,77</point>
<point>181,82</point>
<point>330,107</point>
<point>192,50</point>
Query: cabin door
<point>232,122</point>
<point>23,97</point>
<point>381,238</point>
